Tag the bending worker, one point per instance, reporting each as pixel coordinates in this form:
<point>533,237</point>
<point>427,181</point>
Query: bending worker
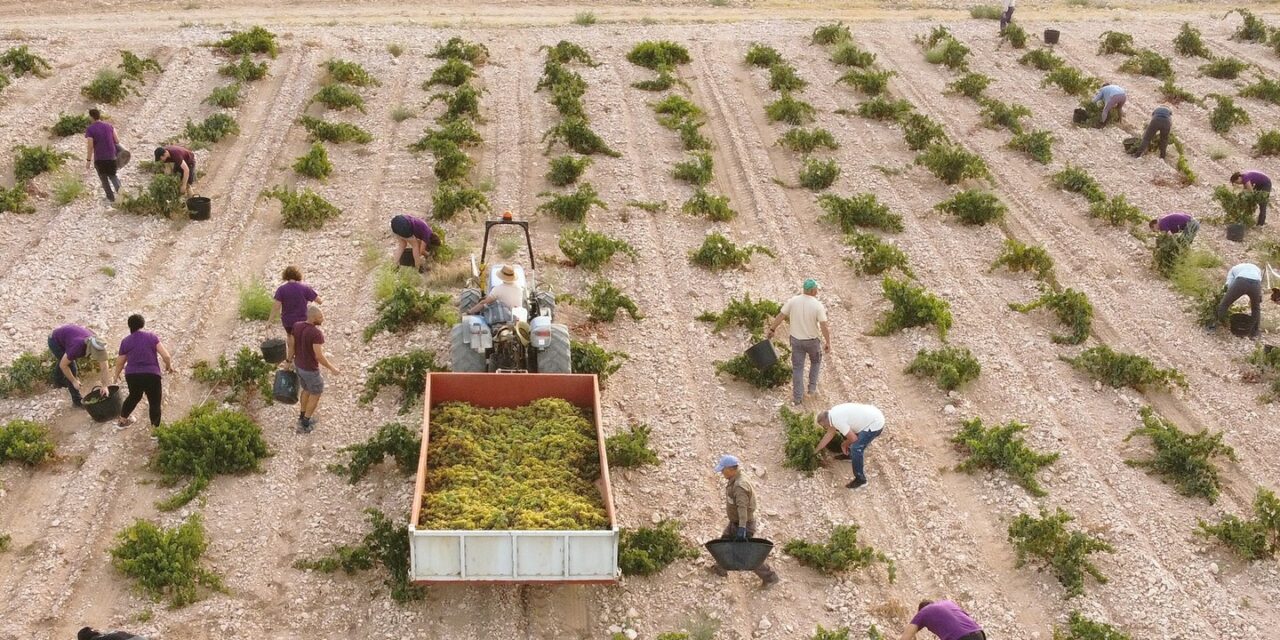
<point>858,424</point>
<point>1244,279</point>
<point>1254,180</point>
<point>945,619</point>
<point>1162,123</point>
<point>741,504</point>
<point>1176,222</point>
<point>183,161</point>
<point>414,233</point>
<point>1111,96</point>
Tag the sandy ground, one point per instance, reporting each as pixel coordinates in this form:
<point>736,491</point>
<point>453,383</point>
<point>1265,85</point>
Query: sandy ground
<point>946,531</point>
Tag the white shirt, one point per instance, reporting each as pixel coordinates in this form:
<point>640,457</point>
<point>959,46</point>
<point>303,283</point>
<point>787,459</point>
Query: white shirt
<point>508,294</point>
<point>1246,270</point>
<point>805,314</point>
<point>852,417</point>
<point>1008,4</point>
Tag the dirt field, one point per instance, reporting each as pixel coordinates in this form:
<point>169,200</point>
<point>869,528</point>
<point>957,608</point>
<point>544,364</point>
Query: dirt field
<point>946,531</point>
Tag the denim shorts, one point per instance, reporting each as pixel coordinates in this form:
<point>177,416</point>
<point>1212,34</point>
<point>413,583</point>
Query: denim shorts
<point>310,381</point>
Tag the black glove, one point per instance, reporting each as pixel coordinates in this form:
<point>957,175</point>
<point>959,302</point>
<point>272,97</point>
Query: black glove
<point>742,534</point>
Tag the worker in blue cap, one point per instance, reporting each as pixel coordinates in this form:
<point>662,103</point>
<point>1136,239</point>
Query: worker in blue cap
<point>741,506</point>
<point>810,337</point>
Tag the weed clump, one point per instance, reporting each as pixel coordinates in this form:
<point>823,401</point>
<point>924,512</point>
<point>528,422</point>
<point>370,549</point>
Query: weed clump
<point>576,134</point>
<point>603,301</point>
<point>1081,628</point>
<point>162,198</point>
<point>829,34</point>
<point>109,87</point>
<point>305,210</point>
<point>351,73</point>
<point>970,85</point>
<point>764,56</point>
<point>919,131</point>
<point>985,12</point>
<point>246,70</point>
<point>387,544</point>
<point>697,170</point>
<point>314,163</point>
<point>453,197</point>
<point>849,54</point>
<point>803,140</point>
<point>212,129</point>
<point>29,162</point>
<point>589,357</point>
<point>876,256</point>
<point>1072,309</point>
<point>1148,63</point>
<point>1000,447</point>
<point>1224,68</point>
<point>1268,143</point>
<point>1017,256</point>
<point>225,97</point>
<point>1116,211</point>
<point>1065,553</point>
<point>1252,29</point>
<point>974,207</point>
<point>790,110</point>
<point>571,207</point>
<point>1182,459</point>
<point>255,300</point>
<point>255,40</point>
<point>246,374</point>
<point>336,132</point>
<point>630,448</point>
<point>1015,35</point>
<point>70,125</point>
<point>1123,369</point>
<point>165,562</point>
<point>26,375</point>
<point>710,206</point>
<point>592,250</point>
<point>392,439</point>
<point>1188,43</point>
<point>803,434</point>
<point>407,307</point>
<point>859,211</point>
<point>996,114</point>
<point>912,306</point>
<point>25,441</point>
<point>951,163</point>
<point>22,62</point>
<point>783,77</point>
<point>407,371</point>
<point>1255,538</point>
<point>751,315</point>
<point>1077,180</point>
<point>645,551</point>
<point>1263,89</point>
<point>1072,81</point>
<point>816,175</point>
<point>207,442</point>
<point>136,67</point>
<point>1036,144</point>
<point>456,47</point>
<point>740,368</point>
<point>1226,114</point>
<point>1041,60</point>
<point>882,108</point>
<point>718,253</point>
<point>872,83</point>
<point>950,367</point>
<point>1115,42</point>
<point>841,553</point>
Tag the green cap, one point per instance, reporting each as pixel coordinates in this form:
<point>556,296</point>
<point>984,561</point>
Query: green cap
<point>810,284</point>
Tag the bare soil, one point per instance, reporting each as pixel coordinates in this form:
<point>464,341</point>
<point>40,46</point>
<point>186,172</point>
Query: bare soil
<point>945,530</point>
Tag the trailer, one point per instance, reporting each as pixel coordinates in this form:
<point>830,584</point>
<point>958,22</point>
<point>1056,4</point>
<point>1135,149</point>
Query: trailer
<point>512,556</point>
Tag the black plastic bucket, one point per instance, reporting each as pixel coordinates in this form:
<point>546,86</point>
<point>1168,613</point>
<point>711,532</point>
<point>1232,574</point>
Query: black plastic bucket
<point>274,350</point>
<point>199,207</point>
<point>1241,324</point>
<point>762,355</point>
<point>122,157</point>
<point>406,257</point>
<point>284,388</point>
<point>1235,232</point>
<point>103,408</point>
<point>734,555</point>
<point>1080,116</point>
<point>1051,36</point>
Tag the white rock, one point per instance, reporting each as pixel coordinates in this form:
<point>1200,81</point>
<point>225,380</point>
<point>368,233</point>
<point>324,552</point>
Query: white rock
<point>765,624</point>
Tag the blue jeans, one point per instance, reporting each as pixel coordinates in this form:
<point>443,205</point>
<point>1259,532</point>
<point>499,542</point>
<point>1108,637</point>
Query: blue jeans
<point>859,447</point>
<point>60,380</point>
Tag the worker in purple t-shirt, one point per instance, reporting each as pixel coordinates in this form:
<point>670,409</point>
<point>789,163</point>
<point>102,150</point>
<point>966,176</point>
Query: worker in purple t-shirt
<point>944,619</point>
<point>414,233</point>
<point>1254,180</point>
<point>140,356</point>
<point>307,352</point>
<point>291,304</point>
<point>1176,222</point>
<point>100,151</point>
<point>69,343</point>
<point>183,161</point>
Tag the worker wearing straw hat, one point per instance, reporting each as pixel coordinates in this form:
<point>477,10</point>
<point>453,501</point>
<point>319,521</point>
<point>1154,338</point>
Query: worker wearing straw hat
<point>507,292</point>
<point>69,343</point>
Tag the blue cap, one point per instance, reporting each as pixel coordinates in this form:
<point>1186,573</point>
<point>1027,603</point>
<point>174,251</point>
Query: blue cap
<point>726,461</point>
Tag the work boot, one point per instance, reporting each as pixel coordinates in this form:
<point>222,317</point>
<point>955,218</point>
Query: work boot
<point>716,569</point>
<point>769,581</point>
<point>855,483</point>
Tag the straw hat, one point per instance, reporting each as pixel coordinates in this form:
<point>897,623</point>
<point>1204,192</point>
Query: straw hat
<point>507,274</point>
<point>97,348</point>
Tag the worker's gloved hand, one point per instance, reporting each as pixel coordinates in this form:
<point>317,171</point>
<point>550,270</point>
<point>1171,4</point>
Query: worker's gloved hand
<point>742,534</point>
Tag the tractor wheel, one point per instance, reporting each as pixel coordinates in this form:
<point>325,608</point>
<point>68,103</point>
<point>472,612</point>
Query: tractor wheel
<point>557,357</point>
<point>467,299</point>
<point>465,359</point>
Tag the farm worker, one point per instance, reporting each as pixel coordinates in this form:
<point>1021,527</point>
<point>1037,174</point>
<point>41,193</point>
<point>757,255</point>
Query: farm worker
<point>807,319</point>
<point>1111,96</point>
<point>945,619</point>
<point>138,358</point>
<point>1161,122</point>
<point>89,633</point>
<point>68,344</point>
<point>740,496</point>
<point>291,304</point>
<point>1254,180</point>
<point>858,424</point>
<point>183,161</point>
<point>1007,16</point>
<point>414,233</point>
<point>1244,279</point>
<point>507,292</point>
<point>307,354</point>
<point>1176,222</point>
<point>100,150</point>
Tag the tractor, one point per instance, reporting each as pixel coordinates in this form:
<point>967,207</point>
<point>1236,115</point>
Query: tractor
<point>503,338</point>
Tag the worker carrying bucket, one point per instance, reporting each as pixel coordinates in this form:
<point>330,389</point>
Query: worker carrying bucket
<point>736,550</point>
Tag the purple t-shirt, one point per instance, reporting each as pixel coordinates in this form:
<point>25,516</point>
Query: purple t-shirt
<point>1257,179</point>
<point>71,338</point>
<point>104,140</point>
<point>140,348</point>
<point>178,155</point>
<point>293,297</point>
<point>305,337</point>
<point>946,620</point>
<point>421,230</point>
<point>1173,222</point>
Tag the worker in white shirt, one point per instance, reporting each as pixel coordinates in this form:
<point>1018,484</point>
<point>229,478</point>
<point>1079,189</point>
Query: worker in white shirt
<point>807,319</point>
<point>1007,16</point>
<point>858,424</point>
<point>1244,279</point>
